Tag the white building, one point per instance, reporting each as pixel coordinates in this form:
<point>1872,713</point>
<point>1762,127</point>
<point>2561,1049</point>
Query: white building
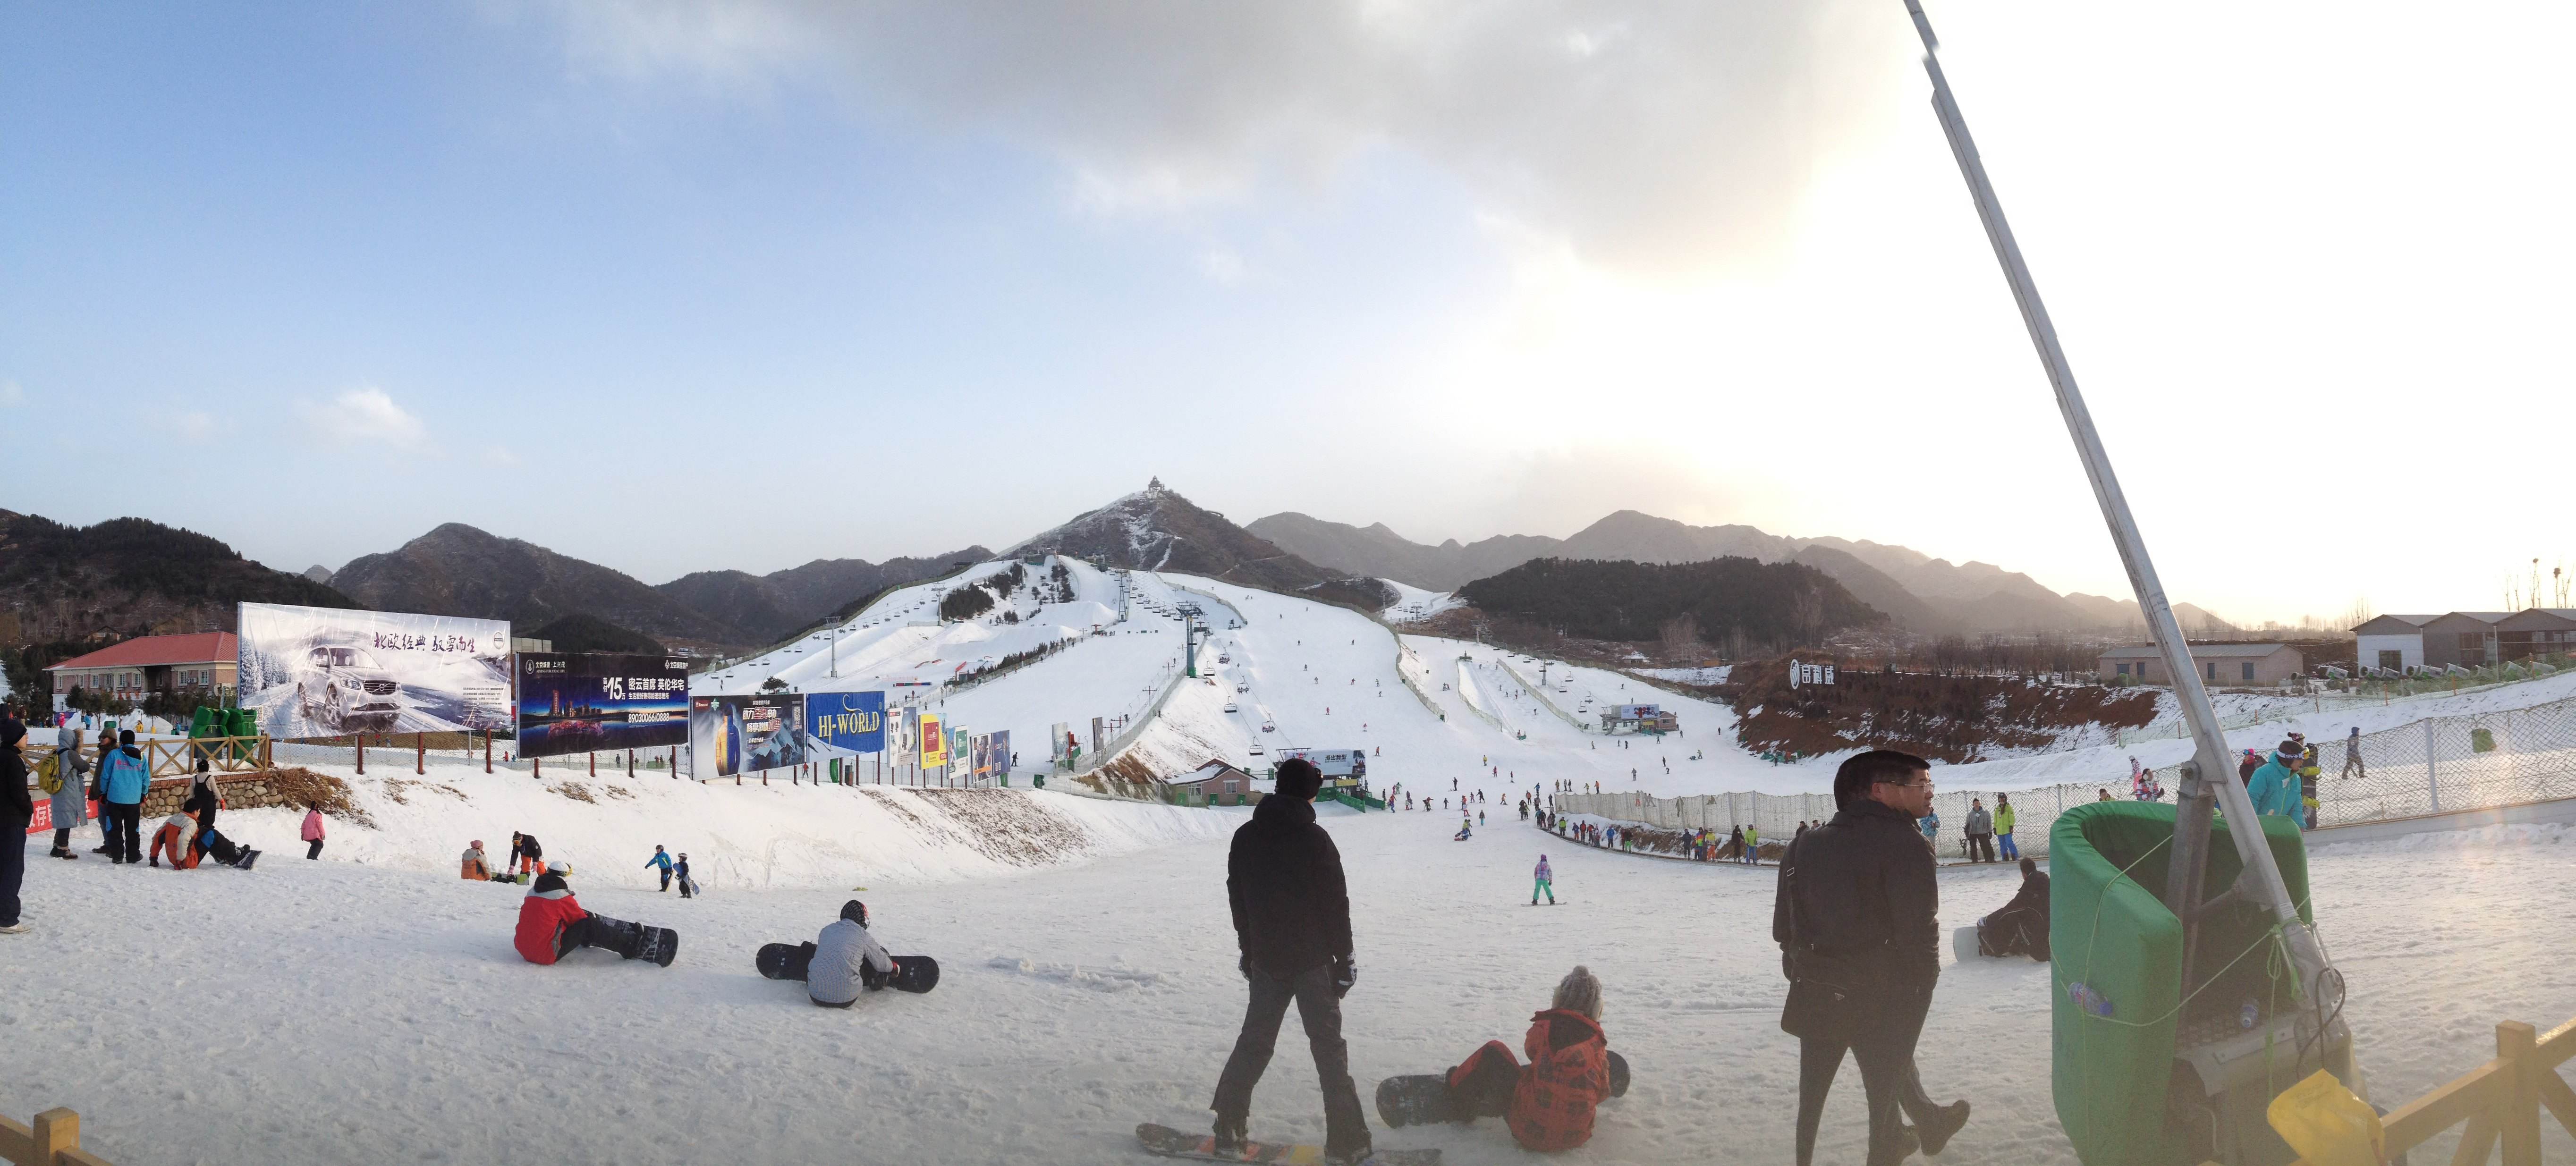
<point>2391,642</point>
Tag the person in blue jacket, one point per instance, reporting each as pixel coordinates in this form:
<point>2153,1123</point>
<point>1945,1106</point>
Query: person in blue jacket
<point>122,779</point>
<point>2275,784</point>
<point>662,860</point>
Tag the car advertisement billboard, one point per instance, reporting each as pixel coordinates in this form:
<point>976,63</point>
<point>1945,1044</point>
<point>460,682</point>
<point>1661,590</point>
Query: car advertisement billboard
<point>580,702</point>
<point>734,735</point>
<point>851,722</point>
<point>328,672</point>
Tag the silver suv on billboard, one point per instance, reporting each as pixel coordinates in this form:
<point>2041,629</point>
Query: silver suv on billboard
<point>346,689</point>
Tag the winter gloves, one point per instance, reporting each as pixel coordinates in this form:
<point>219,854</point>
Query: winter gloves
<point>1346,972</point>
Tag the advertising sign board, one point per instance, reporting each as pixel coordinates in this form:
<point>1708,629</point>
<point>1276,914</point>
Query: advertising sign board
<point>731,735</point>
<point>1002,753</point>
<point>934,742</point>
<point>577,702</point>
<point>852,721</point>
<point>323,672</point>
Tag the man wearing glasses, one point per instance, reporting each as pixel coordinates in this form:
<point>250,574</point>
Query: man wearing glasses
<point>1856,919</point>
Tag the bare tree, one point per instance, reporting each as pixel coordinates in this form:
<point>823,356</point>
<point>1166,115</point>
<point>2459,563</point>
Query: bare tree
<point>1680,636</point>
<point>2360,613</point>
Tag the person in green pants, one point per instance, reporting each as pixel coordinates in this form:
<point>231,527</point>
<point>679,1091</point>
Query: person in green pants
<point>1546,883</point>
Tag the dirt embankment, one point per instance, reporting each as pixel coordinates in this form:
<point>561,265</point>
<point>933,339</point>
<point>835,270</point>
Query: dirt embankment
<point>1953,719</point>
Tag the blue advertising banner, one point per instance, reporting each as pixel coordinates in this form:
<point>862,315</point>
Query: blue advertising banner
<point>847,720</point>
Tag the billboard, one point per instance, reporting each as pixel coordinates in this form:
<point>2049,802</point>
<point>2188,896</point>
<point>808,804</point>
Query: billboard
<point>733,735</point>
<point>981,749</point>
<point>934,743</point>
<point>850,721</point>
<point>1002,753</point>
<point>325,672</point>
<point>579,702</point>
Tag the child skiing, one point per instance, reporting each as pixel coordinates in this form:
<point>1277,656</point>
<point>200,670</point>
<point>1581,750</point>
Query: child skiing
<point>552,923</point>
<point>1546,882</point>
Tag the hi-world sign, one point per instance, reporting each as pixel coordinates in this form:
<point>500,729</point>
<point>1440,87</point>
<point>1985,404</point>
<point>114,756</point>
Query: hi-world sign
<point>1800,674</point>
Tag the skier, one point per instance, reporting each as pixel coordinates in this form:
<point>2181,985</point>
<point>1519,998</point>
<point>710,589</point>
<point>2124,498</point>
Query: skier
<point>1292,921</point>
<point>1548,1104</point>
<point>552,923</point>
<point>663,860</point>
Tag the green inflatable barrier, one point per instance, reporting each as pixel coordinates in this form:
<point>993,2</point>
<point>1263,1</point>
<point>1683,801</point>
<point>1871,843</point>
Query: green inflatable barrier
<point>2118,1012</point>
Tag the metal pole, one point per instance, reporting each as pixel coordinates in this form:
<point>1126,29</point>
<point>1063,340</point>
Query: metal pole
<point>2432,781</point>
<point>2190,841</point>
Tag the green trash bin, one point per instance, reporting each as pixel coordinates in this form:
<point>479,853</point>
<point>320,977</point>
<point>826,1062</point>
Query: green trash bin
<point>2117,1017</point>
<point>203,725</point>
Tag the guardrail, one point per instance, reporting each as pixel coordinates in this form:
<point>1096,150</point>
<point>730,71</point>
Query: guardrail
<point>2501,1101</point>
<point>54,1140</point>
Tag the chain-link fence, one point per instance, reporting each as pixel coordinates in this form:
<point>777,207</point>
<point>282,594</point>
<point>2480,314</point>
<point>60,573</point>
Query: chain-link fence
<point>2436,765</point>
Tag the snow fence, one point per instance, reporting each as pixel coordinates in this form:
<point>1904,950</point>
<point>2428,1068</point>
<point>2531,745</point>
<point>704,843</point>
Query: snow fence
<point>2437,765</point>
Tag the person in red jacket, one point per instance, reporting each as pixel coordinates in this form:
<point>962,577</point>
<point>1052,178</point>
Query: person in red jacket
<point>552,923</point>
<point>1548,1103</point>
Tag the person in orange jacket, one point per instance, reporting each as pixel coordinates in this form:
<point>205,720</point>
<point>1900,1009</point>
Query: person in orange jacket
<point>472,866</point>
<point>552,923</point>
<point>1548,1104</point>
<point>177,838</point>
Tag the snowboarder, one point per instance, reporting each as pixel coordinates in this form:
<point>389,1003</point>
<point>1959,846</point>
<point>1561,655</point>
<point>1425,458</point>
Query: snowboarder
<point>552,923</point>
<point>1546,882</point>
<point>1292,921</point>
<point>203,799</point>
<point>177,838</point>
<point>471,866</point>
<point>662,859</point>
<point>844,960</point>
<point>2021,926</point>
<point>1548,1104</point>
<point>312,831</point>
<point>680,871</point>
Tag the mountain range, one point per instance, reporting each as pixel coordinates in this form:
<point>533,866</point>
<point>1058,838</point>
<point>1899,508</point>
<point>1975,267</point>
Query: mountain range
<point>1915,590</point>
<point>1155,529</point>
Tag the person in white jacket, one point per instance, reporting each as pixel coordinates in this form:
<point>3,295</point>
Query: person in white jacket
<point>847,960</point>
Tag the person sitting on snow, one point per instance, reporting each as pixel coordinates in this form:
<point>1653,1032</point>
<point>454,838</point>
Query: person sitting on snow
<point>177,838</point>
<point>2021,927</point>
<point>1548,1104</point>
<point>847,960</point>
<point>552,923</point>
<point>472,866</point>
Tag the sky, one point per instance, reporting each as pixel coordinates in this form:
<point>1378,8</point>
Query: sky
<point>675,287</point>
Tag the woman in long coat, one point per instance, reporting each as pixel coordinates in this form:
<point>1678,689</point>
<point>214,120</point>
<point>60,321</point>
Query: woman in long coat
<point>71,803</point>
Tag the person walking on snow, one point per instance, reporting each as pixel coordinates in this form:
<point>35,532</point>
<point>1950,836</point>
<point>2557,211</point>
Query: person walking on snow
<point>661,859</point>
<point>1546,882</point>
<point>1292,922</point>
<point>680,871</point>
<point>2004,827</point>
<point>312,831</point>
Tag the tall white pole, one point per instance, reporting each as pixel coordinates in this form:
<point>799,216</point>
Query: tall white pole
<point>2211,753</point>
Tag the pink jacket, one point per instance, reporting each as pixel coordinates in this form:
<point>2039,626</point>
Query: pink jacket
<point>312,825</point>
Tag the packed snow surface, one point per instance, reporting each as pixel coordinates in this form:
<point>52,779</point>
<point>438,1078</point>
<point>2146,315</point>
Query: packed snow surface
<point>341,1011</point>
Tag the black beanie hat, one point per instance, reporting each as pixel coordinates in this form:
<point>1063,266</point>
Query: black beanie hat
<point>856,912</point>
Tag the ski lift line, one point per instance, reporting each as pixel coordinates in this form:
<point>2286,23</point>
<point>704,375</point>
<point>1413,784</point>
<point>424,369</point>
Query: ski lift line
<point>2215,771</point>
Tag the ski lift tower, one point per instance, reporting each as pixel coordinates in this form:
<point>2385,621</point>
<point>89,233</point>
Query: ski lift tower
<point>2205,788</point>
<point>1190,629</point>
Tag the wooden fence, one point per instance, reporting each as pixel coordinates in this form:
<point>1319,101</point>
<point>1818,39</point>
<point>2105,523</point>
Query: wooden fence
<point>175,758</point>
<point>2501,1100</point>
<point>53,1141</point>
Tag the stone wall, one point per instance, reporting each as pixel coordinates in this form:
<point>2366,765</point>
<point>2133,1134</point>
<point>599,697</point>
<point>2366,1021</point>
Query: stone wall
<point>241,791</point>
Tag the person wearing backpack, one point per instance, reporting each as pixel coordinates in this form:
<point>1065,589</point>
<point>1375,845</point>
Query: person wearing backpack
<point>69,787</point>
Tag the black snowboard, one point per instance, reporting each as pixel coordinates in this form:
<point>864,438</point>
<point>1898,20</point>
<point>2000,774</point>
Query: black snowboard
<point>1422,1098</point>
<point>784,961</point>
<point>914,973</point>
<point>658,944</point>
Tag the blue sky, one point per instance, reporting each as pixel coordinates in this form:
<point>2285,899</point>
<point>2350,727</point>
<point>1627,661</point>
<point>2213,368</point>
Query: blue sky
<point>748,286</point>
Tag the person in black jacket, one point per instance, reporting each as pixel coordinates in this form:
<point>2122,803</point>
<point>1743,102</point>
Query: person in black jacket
<point>2021,927</point>
<point>1292,920</point>
<point>17,809</point>
<point>1856,917</point>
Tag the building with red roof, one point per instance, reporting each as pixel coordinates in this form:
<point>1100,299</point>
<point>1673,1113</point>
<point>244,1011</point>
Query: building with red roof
<point>154,664</point>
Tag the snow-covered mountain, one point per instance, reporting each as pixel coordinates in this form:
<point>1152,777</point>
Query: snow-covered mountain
<point>1155,529</point>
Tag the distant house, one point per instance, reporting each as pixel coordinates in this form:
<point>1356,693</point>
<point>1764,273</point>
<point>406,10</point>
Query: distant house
<point>1639,718</point>
<point>1216,781</point>
<point>149,664</point>
<point>2391,642</point>
<point>2465,638</point>
<point>2258,664</point>
<point>2539,631</point>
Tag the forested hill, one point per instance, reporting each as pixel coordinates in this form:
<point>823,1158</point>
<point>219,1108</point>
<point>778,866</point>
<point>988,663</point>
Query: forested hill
<point>1779,604</point>
<point>131,577</point>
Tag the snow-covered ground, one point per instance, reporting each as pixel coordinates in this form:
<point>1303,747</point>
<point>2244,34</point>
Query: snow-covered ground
<point>1414,604</point>
<point>343,1011</point>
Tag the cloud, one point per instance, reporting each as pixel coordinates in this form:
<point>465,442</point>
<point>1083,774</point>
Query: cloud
<point>365,415</point>
<point>1658,135</point>
<point>1222,265</point>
